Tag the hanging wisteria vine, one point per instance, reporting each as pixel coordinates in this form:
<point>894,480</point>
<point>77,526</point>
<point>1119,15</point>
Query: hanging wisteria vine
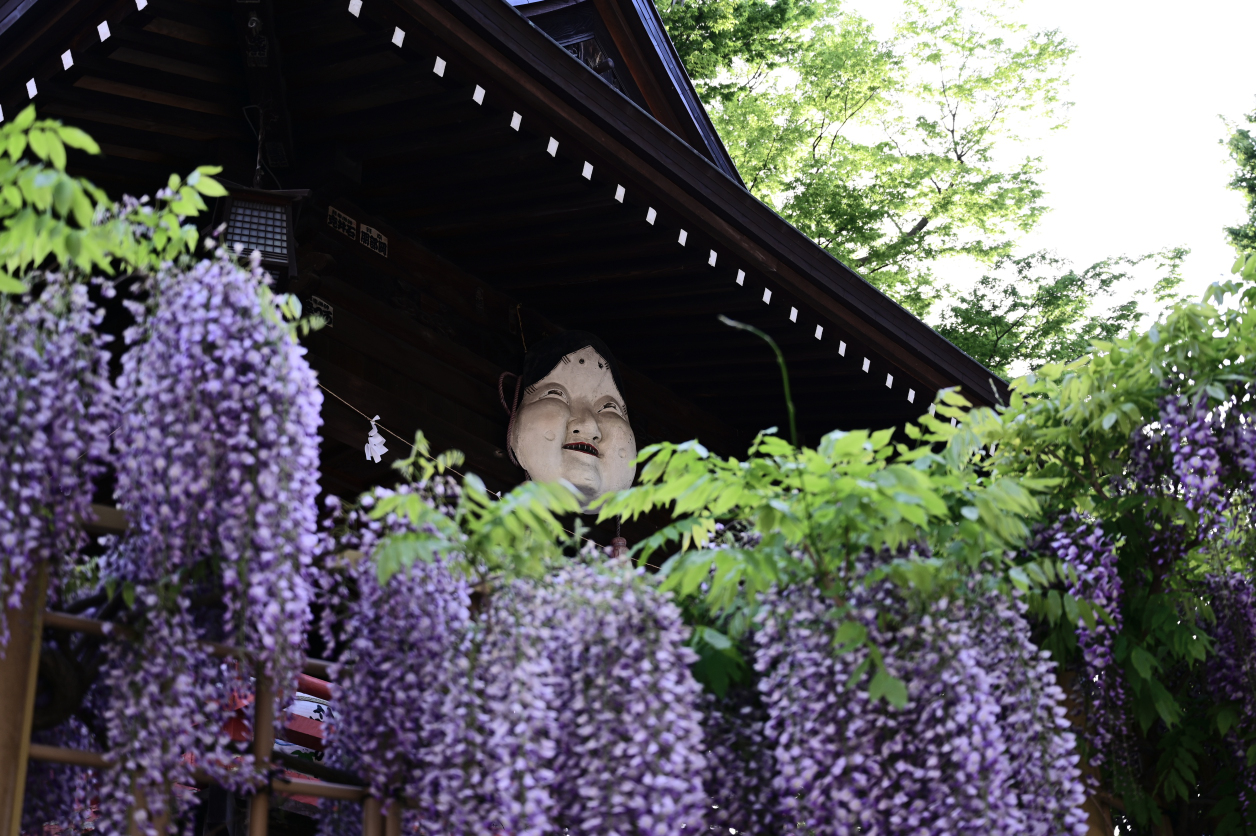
<point>1231,675</point>
<point>564,703</point>
<point>979,746</point>
<point>217,467</point>
<point>398,685</point>
<point>1082,545</point>
<point>56,407</point>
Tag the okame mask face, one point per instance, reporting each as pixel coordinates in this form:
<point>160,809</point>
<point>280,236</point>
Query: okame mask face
<point>572,424</point>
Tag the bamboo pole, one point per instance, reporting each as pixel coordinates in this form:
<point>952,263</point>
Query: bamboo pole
<point>158,823</point>
<point>392,821</point>
<point>263,742</point>
<point>19,670</point>
<point>372,821</point>
<point>73,757</point>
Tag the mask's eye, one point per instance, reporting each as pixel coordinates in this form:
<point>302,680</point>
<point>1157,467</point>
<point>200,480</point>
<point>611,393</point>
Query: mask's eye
<point>611,405</point>
<point>559,392</point>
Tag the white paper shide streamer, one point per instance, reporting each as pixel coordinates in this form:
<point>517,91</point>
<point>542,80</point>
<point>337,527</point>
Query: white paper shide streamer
<point>375,442</point>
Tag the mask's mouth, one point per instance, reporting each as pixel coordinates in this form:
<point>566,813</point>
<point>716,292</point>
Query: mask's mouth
<point>582,447</point>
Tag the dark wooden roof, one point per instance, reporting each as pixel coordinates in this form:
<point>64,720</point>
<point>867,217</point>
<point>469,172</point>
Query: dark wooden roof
<point>649,68</point>
<point>490,229</point>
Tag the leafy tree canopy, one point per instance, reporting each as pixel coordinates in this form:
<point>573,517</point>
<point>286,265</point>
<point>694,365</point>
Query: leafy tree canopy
<point>1037,309</point>
<point>1243,151</point>
<point>889,154</point>
<point>710,34</point>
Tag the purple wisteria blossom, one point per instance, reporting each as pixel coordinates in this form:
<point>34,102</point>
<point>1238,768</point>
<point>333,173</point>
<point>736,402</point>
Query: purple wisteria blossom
<point>56,407</point>
<point>982,744</point>
<point>1231,672</point>
<point>1194,445</point>
<point>630,756</point>
<point>562,704</point>
<point>401,685</point>
<point>59,795</point>
<point>164,708</point>
<point>217,453</point>
<point>1082,544</point>
<point>217,464</point>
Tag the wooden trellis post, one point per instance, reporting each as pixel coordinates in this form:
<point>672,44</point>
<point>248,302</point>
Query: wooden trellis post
<point>19,670</point>
<point>263,743</point>
<point>372,821</point>
<point>392,822</point>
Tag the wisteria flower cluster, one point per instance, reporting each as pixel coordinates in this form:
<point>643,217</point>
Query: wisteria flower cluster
<point>1231,673</point>
<point>398,683</point>
<point>60,796</point>
<point>217,452</point>
<point>1194,446</point>
<point>1084,546</point>
<point>548,705</point>
<point>217,466</point>
<point>982,744</point>
<point>163,713</point>
<point>56,407</point>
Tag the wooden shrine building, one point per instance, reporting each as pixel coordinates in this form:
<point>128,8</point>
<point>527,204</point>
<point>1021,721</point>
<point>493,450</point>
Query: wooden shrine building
<point>451,180</point>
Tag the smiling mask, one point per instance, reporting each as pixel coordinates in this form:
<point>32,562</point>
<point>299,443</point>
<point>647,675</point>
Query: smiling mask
<point>571,421</point>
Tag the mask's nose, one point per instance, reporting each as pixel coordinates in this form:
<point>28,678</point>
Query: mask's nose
<point>583,426</point>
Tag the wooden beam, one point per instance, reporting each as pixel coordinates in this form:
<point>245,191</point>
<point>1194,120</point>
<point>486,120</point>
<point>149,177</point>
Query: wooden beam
<point>638,67</point>
<point>138,115</point>
<point>199,35</point>
<point>172,66</point>
<point>147,94</point>
<point>592,212</point>
<point>219,60</point>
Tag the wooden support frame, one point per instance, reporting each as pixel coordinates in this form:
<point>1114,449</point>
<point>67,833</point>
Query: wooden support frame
<point>18,672</point>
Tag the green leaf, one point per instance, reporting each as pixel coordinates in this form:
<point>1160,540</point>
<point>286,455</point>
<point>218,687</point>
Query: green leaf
<point>25,118</point>
<point>38,143</point>
<point>1054,606</point>
<point>8,284</point>
<point>1143,662</point>
<point>849,636</point>
<point>207,185</point>
<point>1166,706</point>
<point>76,138</point>
<point>1035,572</point>
<point>1226,717</point>
<point>62,195</point>
<point>891,688</point>
<point>1071,610</point>
<point>1019,579</point>
<point>56,150</point>
<point>16,145</point>
<point>858,672</point>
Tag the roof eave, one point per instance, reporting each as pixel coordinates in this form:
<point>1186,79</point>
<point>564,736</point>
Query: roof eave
<point>502,42</point>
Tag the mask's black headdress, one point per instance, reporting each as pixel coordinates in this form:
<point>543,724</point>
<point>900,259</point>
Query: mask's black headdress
<point>538,362</point>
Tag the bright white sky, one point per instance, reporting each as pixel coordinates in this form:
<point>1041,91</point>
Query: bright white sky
<point>1139,166</point>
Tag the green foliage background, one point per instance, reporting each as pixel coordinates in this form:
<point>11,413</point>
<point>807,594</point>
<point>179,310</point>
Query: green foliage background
<point>1242,146</point>
<point>896,152</point>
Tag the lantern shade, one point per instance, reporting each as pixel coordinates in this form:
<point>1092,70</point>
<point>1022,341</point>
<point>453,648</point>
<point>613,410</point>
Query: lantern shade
<point>262,220</point>
<point>259,226</point>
